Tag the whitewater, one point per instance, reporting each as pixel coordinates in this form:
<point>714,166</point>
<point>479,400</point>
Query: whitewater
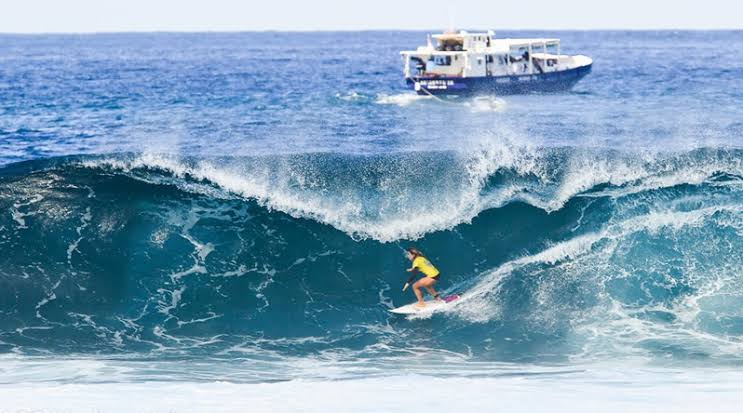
<point>183,228</point>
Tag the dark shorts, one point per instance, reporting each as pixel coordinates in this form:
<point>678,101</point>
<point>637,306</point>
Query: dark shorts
<point>436,278</point>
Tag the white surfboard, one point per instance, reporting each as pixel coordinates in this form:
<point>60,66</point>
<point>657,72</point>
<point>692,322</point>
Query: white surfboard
<point>430,306</point>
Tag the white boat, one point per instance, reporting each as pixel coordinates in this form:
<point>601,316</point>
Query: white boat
<point>472,63</point>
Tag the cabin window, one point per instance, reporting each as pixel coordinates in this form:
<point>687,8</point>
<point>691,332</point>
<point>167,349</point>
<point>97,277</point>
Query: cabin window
<point>441,60</point>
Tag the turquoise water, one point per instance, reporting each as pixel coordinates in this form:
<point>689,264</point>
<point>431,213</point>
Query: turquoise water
<point>202,208</point>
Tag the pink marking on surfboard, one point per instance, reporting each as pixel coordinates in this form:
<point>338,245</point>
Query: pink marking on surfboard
<point>451,298</point>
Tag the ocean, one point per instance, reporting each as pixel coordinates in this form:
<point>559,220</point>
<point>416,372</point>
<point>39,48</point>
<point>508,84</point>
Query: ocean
<point>216,222</point>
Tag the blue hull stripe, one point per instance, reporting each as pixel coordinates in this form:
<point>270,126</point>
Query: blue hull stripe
<point>502,85</point>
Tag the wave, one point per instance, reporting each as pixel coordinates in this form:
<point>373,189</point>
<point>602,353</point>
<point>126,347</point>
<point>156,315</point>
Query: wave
<point>561,252</point>
<point>406,196</point>
<point>650,289</point>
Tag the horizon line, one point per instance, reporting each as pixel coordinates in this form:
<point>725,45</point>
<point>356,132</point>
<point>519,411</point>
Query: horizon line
<point>218,31</point>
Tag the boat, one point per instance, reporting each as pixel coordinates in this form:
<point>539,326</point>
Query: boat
<point>462,63</point>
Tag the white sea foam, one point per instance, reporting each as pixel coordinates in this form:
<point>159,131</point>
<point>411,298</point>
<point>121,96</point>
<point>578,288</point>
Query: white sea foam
<point>402,99</point>
<point>612,327</point>
<point>351,96</point>
<point>476,104</point>
<point>486,104</point>
<point>347,214</point>
<point>540,181</point>
<point>587,389</point>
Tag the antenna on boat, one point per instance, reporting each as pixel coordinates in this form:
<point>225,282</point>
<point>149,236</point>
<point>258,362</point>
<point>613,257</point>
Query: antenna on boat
<point>450,14</point>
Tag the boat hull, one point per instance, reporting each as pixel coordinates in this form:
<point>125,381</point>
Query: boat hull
<point>500,85</point>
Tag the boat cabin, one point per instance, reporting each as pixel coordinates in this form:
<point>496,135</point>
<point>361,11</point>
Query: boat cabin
<point>466,54</point>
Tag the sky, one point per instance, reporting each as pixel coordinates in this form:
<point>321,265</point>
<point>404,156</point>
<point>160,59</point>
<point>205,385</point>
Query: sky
<point>84,16</point>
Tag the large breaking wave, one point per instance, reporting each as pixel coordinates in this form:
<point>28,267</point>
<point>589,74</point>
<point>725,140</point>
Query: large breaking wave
<point>561,253</point>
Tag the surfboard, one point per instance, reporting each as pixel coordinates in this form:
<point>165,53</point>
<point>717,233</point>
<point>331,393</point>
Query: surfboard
<point>431,306</point>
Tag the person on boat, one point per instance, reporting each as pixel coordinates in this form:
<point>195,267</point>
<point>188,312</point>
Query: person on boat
<point>430,275</point>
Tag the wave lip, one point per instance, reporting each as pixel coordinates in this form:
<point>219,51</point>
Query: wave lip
<point>407,196</point>
<point>373,203</point>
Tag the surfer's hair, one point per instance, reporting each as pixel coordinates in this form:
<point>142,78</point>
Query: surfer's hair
<point>415,252</point>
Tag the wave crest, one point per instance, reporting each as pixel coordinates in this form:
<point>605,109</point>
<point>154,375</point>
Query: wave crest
<point>407,196</point>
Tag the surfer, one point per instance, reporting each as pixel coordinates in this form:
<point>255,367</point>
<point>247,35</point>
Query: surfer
<point>431,275</point>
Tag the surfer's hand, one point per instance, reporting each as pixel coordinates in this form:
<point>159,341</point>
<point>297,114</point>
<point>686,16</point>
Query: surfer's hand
<point>406,286</point>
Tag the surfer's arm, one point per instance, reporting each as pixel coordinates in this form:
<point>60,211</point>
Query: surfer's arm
<point>412,276</point>
<point>410,280</point>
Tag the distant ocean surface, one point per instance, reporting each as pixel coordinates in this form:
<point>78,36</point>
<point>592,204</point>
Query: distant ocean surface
<point>216,222</point>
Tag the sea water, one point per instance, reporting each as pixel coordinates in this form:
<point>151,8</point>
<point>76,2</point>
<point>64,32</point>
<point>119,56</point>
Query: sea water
<point>216,222</point>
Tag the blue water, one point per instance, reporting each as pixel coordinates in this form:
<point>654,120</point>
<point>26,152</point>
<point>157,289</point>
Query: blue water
<point>234,207</point>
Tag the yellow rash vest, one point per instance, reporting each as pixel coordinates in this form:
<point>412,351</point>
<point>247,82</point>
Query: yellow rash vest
<point>423,265</point>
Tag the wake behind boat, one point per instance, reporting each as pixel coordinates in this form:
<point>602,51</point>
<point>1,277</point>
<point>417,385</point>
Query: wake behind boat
<point>471,63</point>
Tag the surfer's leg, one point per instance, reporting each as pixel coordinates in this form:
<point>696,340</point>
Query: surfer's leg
<point>431,291</point>
<point>429,283</point>
<point>417,290</point>
<point>426,283</point>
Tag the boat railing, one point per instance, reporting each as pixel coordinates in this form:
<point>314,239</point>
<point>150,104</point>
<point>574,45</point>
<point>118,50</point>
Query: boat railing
<point>510,57</point>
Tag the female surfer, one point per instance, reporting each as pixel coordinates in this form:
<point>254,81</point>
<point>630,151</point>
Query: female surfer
<point>431,275</point>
